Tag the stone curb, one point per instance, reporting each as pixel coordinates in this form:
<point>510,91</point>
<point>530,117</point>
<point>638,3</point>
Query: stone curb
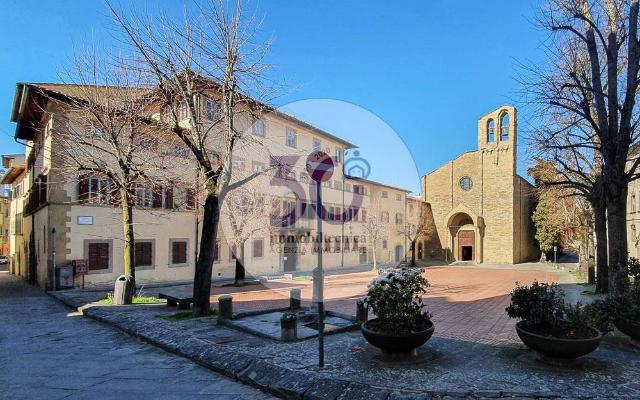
<point>272,378</point>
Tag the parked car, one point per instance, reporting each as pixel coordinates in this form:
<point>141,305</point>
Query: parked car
<point>4,259</point>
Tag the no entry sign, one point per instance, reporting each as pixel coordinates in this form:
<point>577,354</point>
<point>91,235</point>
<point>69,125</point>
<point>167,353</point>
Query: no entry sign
<point>320,166</point>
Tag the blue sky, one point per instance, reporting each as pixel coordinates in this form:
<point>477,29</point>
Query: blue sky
<point>428,69</point>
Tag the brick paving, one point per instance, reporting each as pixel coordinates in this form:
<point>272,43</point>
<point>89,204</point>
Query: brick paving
<point>467,303</point>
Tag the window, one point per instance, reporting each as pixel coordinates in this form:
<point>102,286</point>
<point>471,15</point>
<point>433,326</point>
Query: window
<point>177,150</point>
<point>238,164</point>
<point>316,145</point>
<point>633,202</point>
<point>338,155</point>
<point>143,254</point>
<point>385,194</point>
<point>144,196</point>
<point>398,219</point>
<point>96,189</point>
<point>183,112</point>
<point>98,256</point>
<point>504,127</point>
<point>16,227</point>
<point>358,189</point>
<point>364,215</point>
<point>326,184</point>
<point>337,185</point>
<point>466,183</point>
<point>258,166</point>
<point>384,244</point>
<point>491,134</point>
<point>178,252</point>
<point>212,110</point>
<point>259,127</point>
<point>347,187</point>
<point>384,217</point>
<point>398,197</point>
<point>292,138</point>
<point>98,132</point>
<point>258,248</point>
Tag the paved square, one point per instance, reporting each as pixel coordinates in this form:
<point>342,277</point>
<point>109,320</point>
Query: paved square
<point>467,303</point>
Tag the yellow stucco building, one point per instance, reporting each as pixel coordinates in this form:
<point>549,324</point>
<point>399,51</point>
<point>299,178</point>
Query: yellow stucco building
<point>481,207</point>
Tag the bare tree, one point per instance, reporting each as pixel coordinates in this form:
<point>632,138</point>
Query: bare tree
<point>415,224</point>
<point>376,227</point>
<point>593,84</point>
<point>211,57</point>
<point>105,145</point>
<point>244,214</point>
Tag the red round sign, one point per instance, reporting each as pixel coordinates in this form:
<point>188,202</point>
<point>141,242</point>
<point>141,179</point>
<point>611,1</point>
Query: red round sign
<point>320,166</point>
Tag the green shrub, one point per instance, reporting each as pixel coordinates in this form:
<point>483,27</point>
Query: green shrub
<point>396,299</point>
<point>540,304</point>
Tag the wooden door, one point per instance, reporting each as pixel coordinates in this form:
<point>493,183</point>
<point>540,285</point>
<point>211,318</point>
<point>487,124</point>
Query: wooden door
<point>466,244</point>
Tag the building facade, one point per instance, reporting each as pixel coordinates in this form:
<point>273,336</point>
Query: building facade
<point>66,218</point>
<point>480,206</point>
<point>4,224</point>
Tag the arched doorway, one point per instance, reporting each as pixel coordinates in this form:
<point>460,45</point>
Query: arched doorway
<point>420,251</point>
<point>463,245</point>
<point>398,253</point>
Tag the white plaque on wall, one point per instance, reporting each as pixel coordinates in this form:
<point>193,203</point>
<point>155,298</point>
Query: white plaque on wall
<point>85,220</point>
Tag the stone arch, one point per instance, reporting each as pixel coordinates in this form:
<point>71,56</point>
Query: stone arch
<point>504,126</point>
<point>465,230</point>
<point>491,130</point>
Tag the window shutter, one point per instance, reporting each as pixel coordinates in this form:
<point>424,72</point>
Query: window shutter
<point>191,199</point>
<point>83,188</point>
<point>168,198</point>
<point>157,197</point>
<point>179,252</point>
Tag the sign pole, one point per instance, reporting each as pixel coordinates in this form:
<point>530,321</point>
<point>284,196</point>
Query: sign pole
<point>320,168</point>
<point>320,276</point>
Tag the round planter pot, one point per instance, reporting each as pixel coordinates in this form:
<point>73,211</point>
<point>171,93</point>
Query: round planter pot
<point>556,347</point>
<point>396,343</point>
<point>629,328</point>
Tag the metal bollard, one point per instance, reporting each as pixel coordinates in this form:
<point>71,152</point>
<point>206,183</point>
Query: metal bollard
<point>289,327</point>
<point>294,299</point>
<point>123,290</point>
<point>225,306</point>
<point>362,310</point>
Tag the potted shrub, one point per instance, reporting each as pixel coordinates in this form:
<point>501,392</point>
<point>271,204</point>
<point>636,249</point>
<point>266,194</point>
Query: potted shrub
<point>402,324</point>
<point>548,325</point>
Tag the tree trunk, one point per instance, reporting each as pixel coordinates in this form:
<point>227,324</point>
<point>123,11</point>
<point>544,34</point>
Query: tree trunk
<point>617,237</point>
<point>129,239</point>
<point>128,250</point>
<point>240,272</point>
<point>204,264</point>
<point>600,229</point>
<point>413,253</point>
<point>375,263</point>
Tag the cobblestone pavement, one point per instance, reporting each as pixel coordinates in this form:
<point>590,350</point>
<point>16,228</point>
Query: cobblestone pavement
<point>47,353</point>
<point>473,352</point>
<point>467,302</point>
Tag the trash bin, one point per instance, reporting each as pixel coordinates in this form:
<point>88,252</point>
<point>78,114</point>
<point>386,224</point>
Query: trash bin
<point>123,291</point>
<point>64,277</point>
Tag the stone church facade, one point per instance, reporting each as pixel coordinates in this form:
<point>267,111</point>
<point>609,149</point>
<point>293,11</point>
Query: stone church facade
<point>481,207</point>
